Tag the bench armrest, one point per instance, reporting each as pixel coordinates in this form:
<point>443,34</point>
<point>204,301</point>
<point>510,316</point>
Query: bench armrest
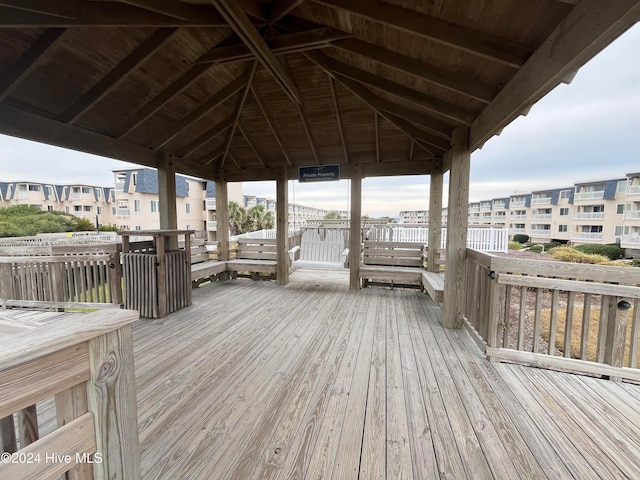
<point>292,253</point>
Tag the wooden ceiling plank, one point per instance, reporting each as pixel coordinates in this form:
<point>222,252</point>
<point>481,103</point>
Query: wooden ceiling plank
<point>198,112</point>
<point>238,111</point>
<point>281,8</point>
<point>55,8</point>
<point>213,156</point>
<point>206,137</point>
<point>113,14</point>
<point>29,60</point>
<point>284,44</point>
<point>459,115</point>
<point>376,129</point>
<point>253,8</point>
<point>588,28</point>
<point>462,38</point>
<point>271,122</point>
<point>450,80</point>
<point>418,134</point>
<point>172,8</point>
<point>136,58</point>
<point>336,106</point>
<point>252,144</point>
<point>240,23</point>
<point>412,147</point>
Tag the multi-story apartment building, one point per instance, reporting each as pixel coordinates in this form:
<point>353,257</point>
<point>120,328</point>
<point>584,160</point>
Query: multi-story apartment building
<point>414,216</point>
<point>629,228</point>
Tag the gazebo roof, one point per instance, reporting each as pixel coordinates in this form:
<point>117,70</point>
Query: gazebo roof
<point>240,88</point>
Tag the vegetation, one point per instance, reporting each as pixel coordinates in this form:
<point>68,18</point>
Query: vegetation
<point>521,238</point>
<point>612,251</point>
<point>332,216</point>
<point>26,221</point>
<point>242,220</point>
<point>635,262</point>
<point>570,254</point>
<point>515,246</point>
<point>536,248</point>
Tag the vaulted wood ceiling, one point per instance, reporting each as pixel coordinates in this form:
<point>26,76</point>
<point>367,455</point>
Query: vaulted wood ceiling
<point>241,88</point>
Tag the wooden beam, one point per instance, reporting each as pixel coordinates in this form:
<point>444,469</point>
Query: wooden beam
<point>282,8</point>
<point>222,218</point>
<point>243,27</point>
<point>284,44</point>
<point>271,122</point>
<point>120,72</point>
<point>336,106</point>
<point>253,8</point>
<point>167,193</point>
<point>453,81</point>
<point>29,60</point>
<point>282,227</point>
<point>172,8</point>
<point>206,137</point>
<point>198,112</point>
<point>56,8</point>
<point>376,129</point>
<point>435,219</point>
<point>252,144</point>
<point>355,234</point>
<point>238,112</point>
<point>461,38</point>
<point>307,132</point>
<point>110,14</point>
<point>18,123</point>
<point>458,116</point>
<point>588,28</point>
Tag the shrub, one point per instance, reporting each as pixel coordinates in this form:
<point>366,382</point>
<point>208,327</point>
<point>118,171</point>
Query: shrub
<point>521,238</point>
<point>515,246</point>
<point>536,248</point>
<point>611,251</point>
<point>635,262</point>
<point>551,245</point>
<point>570,254</point>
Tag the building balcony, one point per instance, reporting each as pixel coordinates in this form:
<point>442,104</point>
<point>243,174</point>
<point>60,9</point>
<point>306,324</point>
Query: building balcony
<point>632,215</point>
<point>630,241</point>
<point>485,208</point>
<point>588,216</point>
<point>517,217</point>
<point>541,201</point>
<point>541,216</point>
<point>76,197</point>
<point>211,203</point>
<point>517,203</point>
<point>474,209</point>
<point>499,218</point>
<point>537,232</point>
<point>633,190</point>
<point>587,236</point>
<point>581,197</point>
<point>123,212</point>
<point>212,225</point>
<point>513,231</point>
<point>499,206</point>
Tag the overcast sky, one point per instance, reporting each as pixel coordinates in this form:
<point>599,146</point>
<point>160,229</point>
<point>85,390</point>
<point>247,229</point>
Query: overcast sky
<point>584,131</point>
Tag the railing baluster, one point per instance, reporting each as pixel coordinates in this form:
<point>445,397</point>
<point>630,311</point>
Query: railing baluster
<point>568,326</point>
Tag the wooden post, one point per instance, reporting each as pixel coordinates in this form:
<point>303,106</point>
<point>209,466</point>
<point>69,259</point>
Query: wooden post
<point>71,404</point>
<point>282,227</point>
<point>115,276</point>
<point>435,219</point>
<point>111,397</point>
<point>616,332</point>
<point>8,434</point>
<point>28,425</point>
<point>455,280</point>
<point>222,219</point>
<point>167,197</point>
<point>355,236</point>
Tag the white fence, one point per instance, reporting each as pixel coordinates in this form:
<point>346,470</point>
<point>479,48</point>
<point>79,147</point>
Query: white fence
<point>481,239</point>
<point>264,234</point>
<point>43,239</point>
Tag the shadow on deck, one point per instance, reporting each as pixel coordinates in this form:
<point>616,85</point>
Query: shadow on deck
<point>312,381</point>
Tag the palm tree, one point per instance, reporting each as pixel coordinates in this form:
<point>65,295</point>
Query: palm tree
<point>237,218</point>
<point>258,218</point>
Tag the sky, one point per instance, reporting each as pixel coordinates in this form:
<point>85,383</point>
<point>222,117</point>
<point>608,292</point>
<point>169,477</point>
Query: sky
<point>587,130</point>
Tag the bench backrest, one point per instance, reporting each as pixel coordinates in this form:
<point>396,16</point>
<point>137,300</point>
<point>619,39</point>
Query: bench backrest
<point>328,250</point>
<point>256,249</point>
<point>402,254</point>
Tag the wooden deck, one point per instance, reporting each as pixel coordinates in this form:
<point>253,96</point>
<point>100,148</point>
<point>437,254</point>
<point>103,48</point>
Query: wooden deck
<point>312,381</point>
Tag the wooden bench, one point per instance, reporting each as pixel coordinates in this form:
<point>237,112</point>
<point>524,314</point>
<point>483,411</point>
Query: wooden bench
<point>323,254</point>
<point>203,268</point>
<point>254,255</point>
<point>433,283</point>
<point>394,263</point>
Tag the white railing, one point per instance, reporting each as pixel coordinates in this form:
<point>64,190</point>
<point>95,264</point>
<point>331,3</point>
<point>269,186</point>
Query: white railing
<point>633,190</point>
<point>588,216</point>
<point>71,238</point>
<point>264,234</point>
<point>211,203</point>
<point>482,239</point>
<point>630,239</point>
<point>590,236</point>
<point>513,231</point>
<point>212,225</point>
<point>119,186</point>
<point>474,208</point>
<point>517,203</point>
<point>76,196</point>
<point>517,217</point>
<point>536,232</point>
<point>632,215</point>
<point>541,216</point>
<point>122,212</point>
<point>588,196</point>
<point>499,205</point>
<point>499,218</point>
<point>541,201</point>
<point>485,207</point>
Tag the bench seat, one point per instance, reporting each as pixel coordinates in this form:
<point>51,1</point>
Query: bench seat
<point>206,269</point>
<point>393,275</point>
<point>258,266</point>
<point>433,283</point>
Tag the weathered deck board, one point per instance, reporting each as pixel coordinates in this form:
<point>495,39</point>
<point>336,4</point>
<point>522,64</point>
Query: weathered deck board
<point>311,380</point>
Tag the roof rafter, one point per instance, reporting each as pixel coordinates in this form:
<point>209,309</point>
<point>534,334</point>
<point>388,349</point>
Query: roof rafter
<point>29,60</point>
<point>56,8</point>
<point>251,143</point>
<point>198,112</point>
<point>271,122</point>
<point>242,26</point>
<point>447,33</point>
<point>336,106</point>
<point>206,137</point>
<point>172,8</point>
<point>588,28</point>
<point>291,43</point>
<point>450,80</point>
<point>282,8</point>
<point>136,58</point>
<point>238,112</point>
<point>376,128</point>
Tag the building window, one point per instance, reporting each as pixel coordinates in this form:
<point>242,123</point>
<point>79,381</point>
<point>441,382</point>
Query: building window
<point>86,190</point>
<point>622,186</point>
<point>34,188</point>
<point>564,211</point>
<point>99,210</point>
<point>113,210</point>
<point>49,190</point>
<point>77,208</point>
<point>562,228</point>
<point>134,178</point>
<point>188,227</point>
<point>154,206</point>
<point>50,208</point>
<point>565,193</point>
<point>98,193</point>
<point>66,209</point>
<point>136,206</point>
<point>187,208</point>
<point>88,208</point>
<point>137,227</point>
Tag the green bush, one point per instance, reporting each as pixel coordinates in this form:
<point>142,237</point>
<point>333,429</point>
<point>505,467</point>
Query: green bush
<point>611,251</point>
<point>570,254</point>
<point>521,238</point>
<point>515,246</point>
<point>536,248</point>
<point>635,262</point>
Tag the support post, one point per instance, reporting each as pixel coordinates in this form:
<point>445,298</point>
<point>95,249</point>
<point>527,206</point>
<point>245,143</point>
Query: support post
<point>435,219</point>
<point>455,278</point>
<point>222,219</point>
<point>282,227</point>
<point>167,197</point>
<point>355,235</point>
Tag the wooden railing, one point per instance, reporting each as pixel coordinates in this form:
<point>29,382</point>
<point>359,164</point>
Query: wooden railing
<point>562,315</point>
<point>86,362</point>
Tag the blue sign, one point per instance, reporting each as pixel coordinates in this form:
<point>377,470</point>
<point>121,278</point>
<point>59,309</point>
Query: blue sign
<point>319,173</point>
